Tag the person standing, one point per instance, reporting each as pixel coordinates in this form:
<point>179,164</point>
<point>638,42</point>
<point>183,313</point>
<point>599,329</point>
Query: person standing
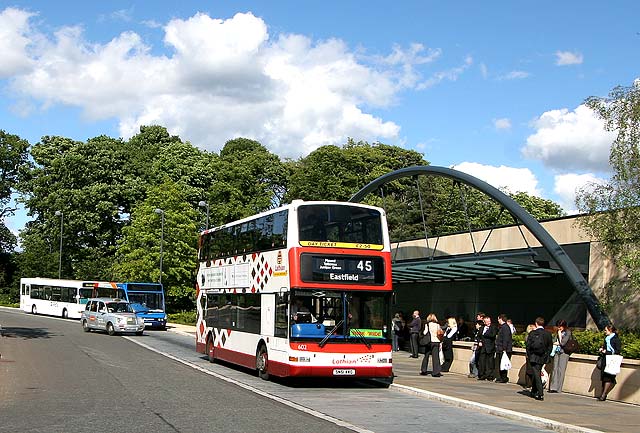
<point>504,344</point>
<point>560,359</point>
<point>397,325</point>
<point>611,346</point>
<point>487,351</point>
<point>450,335</point>
<point>414,330</point>
<point>539,344</point>
<point>432,327</point>
<point>475,353</point>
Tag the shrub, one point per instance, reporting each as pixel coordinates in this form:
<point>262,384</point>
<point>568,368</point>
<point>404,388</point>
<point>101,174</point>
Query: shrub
<point>182,317</point>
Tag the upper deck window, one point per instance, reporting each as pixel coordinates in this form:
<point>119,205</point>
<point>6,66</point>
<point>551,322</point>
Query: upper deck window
<point>339,223</point>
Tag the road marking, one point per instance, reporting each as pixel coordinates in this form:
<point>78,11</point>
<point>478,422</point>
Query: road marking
<point>254,390</point>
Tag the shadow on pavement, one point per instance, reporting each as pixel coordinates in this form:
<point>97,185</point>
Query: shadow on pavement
<point>25,333</point>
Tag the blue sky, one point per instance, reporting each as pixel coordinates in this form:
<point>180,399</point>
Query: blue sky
<point>492,88</point>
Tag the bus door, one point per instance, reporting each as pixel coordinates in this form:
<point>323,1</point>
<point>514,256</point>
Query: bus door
<point>26,291</point>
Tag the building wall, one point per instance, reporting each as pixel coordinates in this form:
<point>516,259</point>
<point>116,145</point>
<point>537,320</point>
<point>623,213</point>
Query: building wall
<point>522,299</point>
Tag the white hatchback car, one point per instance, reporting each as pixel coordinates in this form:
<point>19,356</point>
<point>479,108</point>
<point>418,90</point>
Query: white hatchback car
<point>110,315</point>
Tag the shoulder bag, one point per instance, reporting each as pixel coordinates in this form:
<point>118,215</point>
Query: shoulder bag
<point>612,364</point>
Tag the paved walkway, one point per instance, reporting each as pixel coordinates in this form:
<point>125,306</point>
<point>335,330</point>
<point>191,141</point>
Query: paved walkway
<point>561,412</point>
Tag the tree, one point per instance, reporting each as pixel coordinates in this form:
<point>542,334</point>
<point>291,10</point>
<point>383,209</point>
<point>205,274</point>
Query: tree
<point>13,165</point>
<point>614,206</point>
<point>138,254</point>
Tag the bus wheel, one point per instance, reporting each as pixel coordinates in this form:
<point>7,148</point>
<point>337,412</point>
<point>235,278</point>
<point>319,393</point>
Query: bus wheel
<point>34,310</point>
<point>110,329</point>
<point>85,326</point>
<point>65,313</point>
<point>210,349</point>
<point>262,361</point>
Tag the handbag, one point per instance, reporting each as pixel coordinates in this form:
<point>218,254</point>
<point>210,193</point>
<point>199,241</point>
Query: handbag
<point>425,339</point>
<point>612,364</point>
<point>505,362</point>
<point>600,362</point>
<point>572,346</point>
<point>440,334</point>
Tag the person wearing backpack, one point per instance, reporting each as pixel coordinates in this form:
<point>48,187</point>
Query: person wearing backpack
<point>539,344</point>
<point>561,357</point>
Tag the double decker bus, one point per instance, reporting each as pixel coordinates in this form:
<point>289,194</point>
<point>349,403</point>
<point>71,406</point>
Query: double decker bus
<point>55,297</point>
<point>302,290</point>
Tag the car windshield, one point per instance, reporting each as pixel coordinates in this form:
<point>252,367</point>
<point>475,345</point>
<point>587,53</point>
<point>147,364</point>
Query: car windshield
<point>119,307</point>
<point>139,308</point>
<point>338,315</point>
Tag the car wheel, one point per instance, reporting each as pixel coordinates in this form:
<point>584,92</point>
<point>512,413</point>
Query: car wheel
<point>110,329</point>
<point>85,326</point>
<point>65,313</point>
<point>139,332</point>
<point>262,361</point>
<point>210,349</point>
<point>34,310</point>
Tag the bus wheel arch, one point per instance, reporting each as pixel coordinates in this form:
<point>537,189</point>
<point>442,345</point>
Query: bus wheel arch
<point>262,361</point>
<point>210,348</point>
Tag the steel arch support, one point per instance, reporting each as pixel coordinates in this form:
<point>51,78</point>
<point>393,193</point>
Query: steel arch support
<point>559,255</point>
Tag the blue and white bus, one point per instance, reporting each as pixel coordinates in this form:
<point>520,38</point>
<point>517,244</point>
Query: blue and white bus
<point>147,300</point>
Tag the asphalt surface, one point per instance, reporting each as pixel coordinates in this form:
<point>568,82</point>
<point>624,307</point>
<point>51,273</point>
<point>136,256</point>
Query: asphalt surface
<point>168,394</point>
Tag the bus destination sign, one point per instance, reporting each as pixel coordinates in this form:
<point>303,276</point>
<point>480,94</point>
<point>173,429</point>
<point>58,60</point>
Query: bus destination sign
<point>342,269</point>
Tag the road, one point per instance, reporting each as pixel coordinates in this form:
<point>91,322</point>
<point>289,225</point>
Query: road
<point>54,377</point>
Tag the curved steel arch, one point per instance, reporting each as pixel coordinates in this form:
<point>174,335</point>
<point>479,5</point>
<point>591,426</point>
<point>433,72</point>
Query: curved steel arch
<point>559,255</point>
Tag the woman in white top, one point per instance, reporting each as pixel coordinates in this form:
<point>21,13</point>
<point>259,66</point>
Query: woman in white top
<point>432,328</point>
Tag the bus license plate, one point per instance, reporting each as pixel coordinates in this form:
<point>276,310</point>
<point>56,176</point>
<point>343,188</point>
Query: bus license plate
<point>344,372</point>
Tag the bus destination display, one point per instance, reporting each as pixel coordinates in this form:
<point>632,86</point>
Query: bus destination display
<point>342,269</point>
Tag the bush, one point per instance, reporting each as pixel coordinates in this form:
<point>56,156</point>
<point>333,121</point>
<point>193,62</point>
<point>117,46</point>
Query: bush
<point>183,317</point>
<point>7,300</point>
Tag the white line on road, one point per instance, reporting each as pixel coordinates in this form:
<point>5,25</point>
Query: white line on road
<point>255,390</point>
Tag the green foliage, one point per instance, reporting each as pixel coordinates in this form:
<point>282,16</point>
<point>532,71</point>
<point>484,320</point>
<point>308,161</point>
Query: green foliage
<point>614,206</point>
<point>14,164</point>
<point>183,317</point>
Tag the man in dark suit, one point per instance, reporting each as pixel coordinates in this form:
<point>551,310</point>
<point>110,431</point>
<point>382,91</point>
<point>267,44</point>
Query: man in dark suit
<point>504,344</point>
<point>487,350</point>
<point>539,345</point>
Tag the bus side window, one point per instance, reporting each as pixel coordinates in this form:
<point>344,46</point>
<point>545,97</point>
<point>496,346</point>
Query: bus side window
<point>281,325</point>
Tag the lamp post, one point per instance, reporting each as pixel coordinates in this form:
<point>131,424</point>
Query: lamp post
<point>205,204</point>
<point>161,213</point>
<point>61,215</point>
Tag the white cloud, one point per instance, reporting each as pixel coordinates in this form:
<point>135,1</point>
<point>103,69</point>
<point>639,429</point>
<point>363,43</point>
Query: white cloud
<point>570,140</point>
<point>564,58</point>
<point>514,75</point>
<point>566,185</point>
<point>14,41</point>
<point>484,71</point>
<point>449,75</point>
<point>221,79</point>
<point>510,178</point>
<point>503,123</point>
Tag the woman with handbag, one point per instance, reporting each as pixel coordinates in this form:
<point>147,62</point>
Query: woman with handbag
<point>611,346</point>
<point>561,358</point>
<point>431,328</point>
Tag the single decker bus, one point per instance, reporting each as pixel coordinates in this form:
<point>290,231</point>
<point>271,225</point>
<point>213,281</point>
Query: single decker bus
<point>57,297</point>
<point>299,291</point>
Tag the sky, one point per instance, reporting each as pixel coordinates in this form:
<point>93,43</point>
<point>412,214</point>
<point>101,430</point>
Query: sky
<point>492,88</point>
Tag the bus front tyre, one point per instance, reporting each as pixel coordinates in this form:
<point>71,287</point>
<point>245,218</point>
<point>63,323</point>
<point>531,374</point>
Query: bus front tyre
<point>65,313</point>
<point>34,310</point>
<point>262,363</point>
<point>110,329</point>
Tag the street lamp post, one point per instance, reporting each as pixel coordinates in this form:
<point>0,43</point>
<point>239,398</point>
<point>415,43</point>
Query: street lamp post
<point>61,215</point>
<point>161,213</point>
<point>205,204</point>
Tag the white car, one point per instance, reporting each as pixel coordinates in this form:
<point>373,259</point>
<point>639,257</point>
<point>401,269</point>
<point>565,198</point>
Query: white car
<point>111,315</point>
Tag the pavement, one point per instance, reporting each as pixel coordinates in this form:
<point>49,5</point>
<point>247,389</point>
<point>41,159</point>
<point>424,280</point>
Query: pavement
<point>561,412</point>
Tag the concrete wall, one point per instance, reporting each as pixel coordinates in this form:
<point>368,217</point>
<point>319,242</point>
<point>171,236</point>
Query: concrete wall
<point>581,376</point>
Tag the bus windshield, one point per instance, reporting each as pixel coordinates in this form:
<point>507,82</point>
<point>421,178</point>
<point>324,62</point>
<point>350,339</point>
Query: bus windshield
<point>339,223</point>
<point>153,301</point>
<point>316,313</point>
